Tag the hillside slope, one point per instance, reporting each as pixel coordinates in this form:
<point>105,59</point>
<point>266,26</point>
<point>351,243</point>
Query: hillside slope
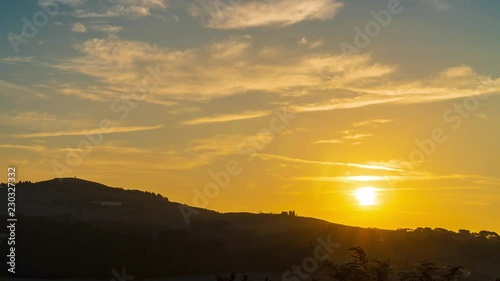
<point>62,223</point>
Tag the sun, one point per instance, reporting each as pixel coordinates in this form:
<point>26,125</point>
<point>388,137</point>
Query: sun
<point>366,196</point>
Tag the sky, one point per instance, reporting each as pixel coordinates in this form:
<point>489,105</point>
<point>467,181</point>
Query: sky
<point>263,106</point>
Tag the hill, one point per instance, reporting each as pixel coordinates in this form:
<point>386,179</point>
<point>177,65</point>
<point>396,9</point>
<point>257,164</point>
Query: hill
<point>72,228</point>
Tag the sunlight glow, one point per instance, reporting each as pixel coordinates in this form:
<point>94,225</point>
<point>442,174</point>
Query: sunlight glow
<point>366,196</point>
<point>365,178</point>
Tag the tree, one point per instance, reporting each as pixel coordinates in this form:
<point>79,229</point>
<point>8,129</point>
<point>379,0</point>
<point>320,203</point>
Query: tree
<point>381,270</point>
<point>464,232</point>
<point>407,276</point>
<point>362,269</point>
<point>425,270</point>
<point>454,273</point>
<point>488,234</point>
<point>231,277</point>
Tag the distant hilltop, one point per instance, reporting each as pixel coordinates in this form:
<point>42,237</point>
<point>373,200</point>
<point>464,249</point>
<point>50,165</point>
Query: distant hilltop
<point>78,222</point>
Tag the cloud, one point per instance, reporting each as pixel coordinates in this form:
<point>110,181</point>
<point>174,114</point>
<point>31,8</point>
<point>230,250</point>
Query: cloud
<point>37,121</point>
<point>227,117</point>
<point>199,152</point>
<point>360,100</point>
<point>104,28</point>
<point>352,137</point>
<point>348,135</point>
<point>349,179</point>
<point>114,148</point>
<point>236,66</point>
<point>311,162</point>
<point>216,69</point>
<point>371,122</point>
<point>17,60</point>
<point>451,83</point>
<point>110,130</point>
<point>458,72</point>
<point>78,27</point>
<point>16,91</point>
<point>334,141</point>
<point>394,164</point>
<point>316,44</point>
<point>228,49</point>
<point>312,45</point>
<point>187,155</point>
<point>184,110</point>
<point>476,179</point>
<point>37,148</point>
<point>112,8</point>
<point>68,2</point>
<point>253,13</point>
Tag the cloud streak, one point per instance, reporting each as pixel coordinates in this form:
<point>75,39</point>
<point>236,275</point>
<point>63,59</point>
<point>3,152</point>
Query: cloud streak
<point>312,162</point>
<point>110,8</point>
<point>111,130</point>
<point>226,117</point>
<point>37,148</point>
<point>79,27</point>
<point>253,13</point>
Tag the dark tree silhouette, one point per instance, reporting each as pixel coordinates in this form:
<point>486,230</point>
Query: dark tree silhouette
<point>362,269</point>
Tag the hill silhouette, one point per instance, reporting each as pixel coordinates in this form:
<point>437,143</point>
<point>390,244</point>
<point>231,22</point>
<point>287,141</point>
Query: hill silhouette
<point>72,228</point>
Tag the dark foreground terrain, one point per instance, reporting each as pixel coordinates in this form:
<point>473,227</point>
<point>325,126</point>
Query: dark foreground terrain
<point>64,230</point>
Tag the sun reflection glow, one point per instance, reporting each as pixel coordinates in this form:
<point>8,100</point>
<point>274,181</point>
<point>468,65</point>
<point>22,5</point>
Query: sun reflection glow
<point>366,196</point>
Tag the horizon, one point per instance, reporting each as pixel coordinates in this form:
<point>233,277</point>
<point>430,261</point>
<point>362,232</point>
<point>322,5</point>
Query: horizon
<point>275,212</point>
<point>379,114</point>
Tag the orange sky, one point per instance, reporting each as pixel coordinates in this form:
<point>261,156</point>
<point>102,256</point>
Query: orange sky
<point>262,106</point>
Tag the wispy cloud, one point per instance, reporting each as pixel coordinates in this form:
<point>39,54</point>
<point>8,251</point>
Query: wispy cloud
<point>78,27</point>
<point>33,120</point>
<point>105,28</point>
<point>18,91</point>
<point>462,71</point>
<point>110,8</point>
<point>361,100</point>
<point>350,135</point>
<point>312,162</point>
<point>434,188</point>
<point>38,148</point>
<point>227,117</point>
<point>474,179</point>
<point>236,66</point>
<point>110,130</point>
<point>253,13</point>
<point>347,136</point>
<point>311,45</point>
<point>371,122</point>
<point>347,178</point>
<point>217,69</point>
<point>199,152</point>
<point>17,60</point>
<point>116,149</point>
<point>334,141</point>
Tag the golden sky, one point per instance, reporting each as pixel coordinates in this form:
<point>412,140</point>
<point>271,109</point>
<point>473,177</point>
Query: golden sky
<point>263,105</point>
